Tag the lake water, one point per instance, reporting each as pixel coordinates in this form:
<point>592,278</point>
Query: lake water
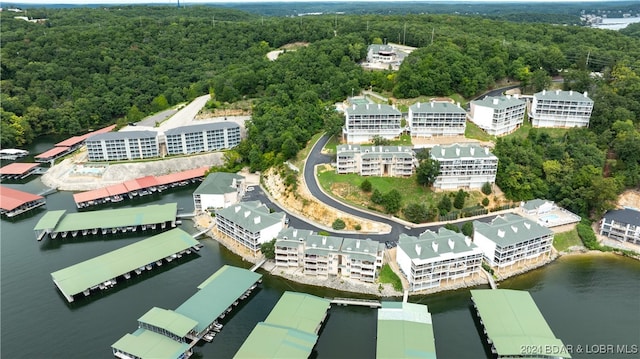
<point>586,300</point>
<point>616,23</point>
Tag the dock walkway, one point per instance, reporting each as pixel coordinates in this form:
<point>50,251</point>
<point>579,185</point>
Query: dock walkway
<point>353,301</point>
<point>489,276</point>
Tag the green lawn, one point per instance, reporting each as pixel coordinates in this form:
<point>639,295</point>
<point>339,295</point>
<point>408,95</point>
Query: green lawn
<point>387,275</point>
<point>523,131</point>
<point>473,131</point>
<point>562,241</point>
<point>331,145</point>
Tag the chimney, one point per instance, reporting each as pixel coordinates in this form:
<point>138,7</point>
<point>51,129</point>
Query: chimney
<point>500,233</point>
<point>557,92</point>
<point>434,245</point>
<point>418,249</point>
<point>570,92</point>
<point>509,97</point>
<point>585,94</point>
<point>324,240</point>
<point>544,92</point>
<point>458,151</point>
<point>472,150</point>
<point>379,106</point>
<point>495,101</point>
<point>467,241</point>
<point>514,229</point>
<point>486,150</point>
<point>451,243</point>
<point>358,243</point>
<point>431,104</point>
<point>246,214</point>
<point>442,152</point>
<point>418,105</point>
<point>527,225</point>
<point>237,209</point>
<point>458,104</point>
<point>256,219</point>
<point>367,105</point>
<point>354,106</point>
<point>295,232</point>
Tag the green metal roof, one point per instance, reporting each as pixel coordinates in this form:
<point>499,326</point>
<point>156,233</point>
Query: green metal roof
<point>512,321</point>
<point>245,214</point>
<point>146,344</point>
<point>534,204</point>
<point>299,311</point>
<point>327,243</point>
<point>362,246</point>
<point>169,320</point>
<point>466,151</point>
<point>84,275</point>
<point>560,95</point>
<point>372,109</point>
<point>218,183</point>
<point>510,229</point>
<point>436,107</point>
<point>405,330</point>
<point>113,218</point>
<point>502,102</point>
<point>410,245</point>
<point>49,220</point>
<point>216,294</point>
<point>275,342</point>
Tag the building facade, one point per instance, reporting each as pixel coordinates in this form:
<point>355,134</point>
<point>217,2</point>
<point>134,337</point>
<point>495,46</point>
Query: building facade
<point>202,138</point>
<point>436,119</point>
<point>249,224</point>
<point>219,190</point>
<point>363,122</point>
<point>433,259</point>
<point>381,53</point>
<point>621,225</point>
<point>464,166</point>
<point>560,109</point>
<point>393,161</point>
<point>129,145</point>
<point>511,239</point>
<point>498,116</point>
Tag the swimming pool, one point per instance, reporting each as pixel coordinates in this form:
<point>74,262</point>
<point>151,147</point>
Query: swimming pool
<point>549,218</point>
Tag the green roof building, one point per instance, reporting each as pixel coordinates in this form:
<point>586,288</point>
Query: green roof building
<point>394,161</point>
<point>145,344</point>
<point>436,118</point>
<point>405,330</point>
<point>219,190</point>
<point>464,166</point>
<point>560,109</point>
<point>498,116</point>
<point>514,325</point>
<point>249,224</point>
<point>368,120</point>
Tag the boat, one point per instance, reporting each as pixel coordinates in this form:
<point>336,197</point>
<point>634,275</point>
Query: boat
<point>86,292</point>
<point>12,153</point>
<point>127,275</point>
<point>208,337</point>
<point>216,326</point>
<point>148,266</point>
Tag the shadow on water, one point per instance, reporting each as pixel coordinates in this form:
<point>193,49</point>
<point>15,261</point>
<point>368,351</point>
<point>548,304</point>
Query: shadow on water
<point>25,215</point>
<point>51,244</point>
<point>480,329</point>
<point>80,300</point>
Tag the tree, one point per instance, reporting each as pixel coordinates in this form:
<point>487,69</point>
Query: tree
<point>540,80</point>
<point>416,212</point>
<point>445,204</point>
<point>338,224</point>
<point>485,201</point>
<point>268,249</point>
<point>458,201</point>
<point>289,147</point>
<point>427,172</point>
<point>366,186</point>
<point>452,227</point>
<point>380,141</point>
<point>377,197</point>
<point>467,229</point>
<point>392,201</point>
<point>486,188</point>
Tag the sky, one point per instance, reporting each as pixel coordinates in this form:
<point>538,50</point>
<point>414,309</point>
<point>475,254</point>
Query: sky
<point>82,2</point>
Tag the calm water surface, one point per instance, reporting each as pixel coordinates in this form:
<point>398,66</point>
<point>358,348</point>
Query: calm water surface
<point>586,300</point>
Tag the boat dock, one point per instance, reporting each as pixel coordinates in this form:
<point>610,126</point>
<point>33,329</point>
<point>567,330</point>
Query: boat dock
<point>204,231</point>
<point>14,202</point>
<point>18,171</point>
<point>103,272</point>
<point>352,301</point>
<point>489,276</point>
<point>258,265</point>
<point>113,221</point>
<point>511,321</point>
<point>12,154</point>
<point>405,328</point>
<point>69,145</point>
<point>198,318</point>
<point>138,187</point>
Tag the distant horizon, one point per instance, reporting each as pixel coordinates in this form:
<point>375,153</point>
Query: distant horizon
<point>124,2</point>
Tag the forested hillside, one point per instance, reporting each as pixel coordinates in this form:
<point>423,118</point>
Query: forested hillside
<point>84,68</point>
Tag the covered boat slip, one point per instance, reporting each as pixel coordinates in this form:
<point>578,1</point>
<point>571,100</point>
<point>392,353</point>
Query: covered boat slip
<point>168,323</point>
<point>18,171</point>
<point>512,321</point>
<point>290,330</point>
<point>102,272</point>
<point>146,344</point>
<point>405,330</point>
<point>14,202</point>
<point>106,221</point>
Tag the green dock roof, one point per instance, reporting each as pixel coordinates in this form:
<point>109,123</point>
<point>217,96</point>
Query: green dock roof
<point>512,321</point>
<point>405,330</point>
<point>84,275</point>
<point>49,220</point>
<point>216,294</point>
<point>299,311</point>
<point>112,218</point>
<point>169,320</point>
<point>146,344</point>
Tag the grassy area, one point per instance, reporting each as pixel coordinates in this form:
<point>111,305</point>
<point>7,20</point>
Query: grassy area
<point>302,155</point>
<point>562,241</point>
<point>331,145</point>
<point>473,131</point>
<point>387,275</point>
<point>523,131</point>
<point>405,140</point>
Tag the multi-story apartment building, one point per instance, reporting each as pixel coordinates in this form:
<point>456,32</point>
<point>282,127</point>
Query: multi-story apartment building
<point>510,239</point>
<point>129,145</point>
<point>560,109</point>
<point>381,53</point>
<point>202,138</point>
<point>218,190</point>
<point>249,224</point>
<point>464,166</point>
<point>394,161</point>
<point>622,225</point>
<point>327,256</point>
<point>436,119</point>
<point>498,115</point>
<point>363,122</point>
<point>434,259</point>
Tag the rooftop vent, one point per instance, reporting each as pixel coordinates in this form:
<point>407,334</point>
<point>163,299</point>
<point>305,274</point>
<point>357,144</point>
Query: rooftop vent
<point>457,151</point>
<point>324,241</point>
<point>434,245</point>
<point>418,105</point>
<point>514,229</point>
<point>418,249</point>
<point>472,150</point>
<point>246,214</point>
<point>544,92</point>
<point>451,243</point>
<point>237,209</point>
<point>495,101</point>
<point>295,232</point>
<point>500,233</point>
<point>358,243</point>
<point>527,225</point>
<point>570,92</point>
<point>256,219</point>
<point>431,104</point>
<point>467,241</point>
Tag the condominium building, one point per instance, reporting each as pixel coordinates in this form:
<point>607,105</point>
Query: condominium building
<point>498,116</point>
<point>464,166</point>
<point>394,161</point>
<point>325,256</point>
<point>202,138</point>
<point>436,119</point>
<point>622,225</point>
<point>129,145</point>
<point>560,109</point>
<point>381,53</point>
<point>433,259</point>
<point>510,239</point>
<point>219,190</point>
<point>249,224</point>
<point>363,122</point>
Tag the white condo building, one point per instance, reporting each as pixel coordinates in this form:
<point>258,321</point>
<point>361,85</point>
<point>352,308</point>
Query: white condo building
<point>433,258</point>
<point>381,53</point>
<point>560,109</point>
<point>202,138</point>
<point>622,225</point>
<point>498,116</point>
<point>129,145</point>
<point>426,119</point>
<point>219,190</point>
<point>394,161</point>
<point>363,122</point>
<point>464,166</point>
<point>510,239</point>
<point>249,224</point>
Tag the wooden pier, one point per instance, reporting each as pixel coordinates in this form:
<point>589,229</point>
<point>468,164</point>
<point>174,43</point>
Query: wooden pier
<point>258,265</point>
<point>489,276</point>
<point>352,301</point>
<point>204,231</point>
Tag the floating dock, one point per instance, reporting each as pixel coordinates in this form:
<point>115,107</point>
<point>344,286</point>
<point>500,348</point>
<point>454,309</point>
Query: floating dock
<point>113,221</point>
<point>18,171</point>
<point>291,329</point>
<point>69,145</point>
<point>14,202</point>
<point>12,154</point>
<point>405,330</point>
<point>138,187</point>
<point>514,325</point>
<point>104,271</point>
<point>196,319</point>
